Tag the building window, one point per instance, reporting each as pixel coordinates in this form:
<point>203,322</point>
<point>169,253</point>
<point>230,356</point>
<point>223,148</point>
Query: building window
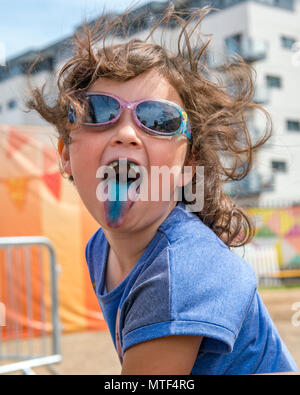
<point>15,70</point>
<point>234,44</point>
<point>287,4</point>
<point>279,166</point>
<point>12,104</point>
<point>287,42</point>
<point>46,64</point>
<point>293,126</point>
<point>0,108</point>
<point>273,82</point>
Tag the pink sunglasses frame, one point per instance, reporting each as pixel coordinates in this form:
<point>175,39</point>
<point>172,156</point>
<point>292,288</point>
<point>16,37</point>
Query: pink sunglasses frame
<point>184,124</point>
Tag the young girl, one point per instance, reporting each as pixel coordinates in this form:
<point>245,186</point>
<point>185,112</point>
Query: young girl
<point>176,299</point>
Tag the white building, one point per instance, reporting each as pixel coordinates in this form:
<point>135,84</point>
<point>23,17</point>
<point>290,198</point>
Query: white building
<point>14,81</point>
<point>266,33</point>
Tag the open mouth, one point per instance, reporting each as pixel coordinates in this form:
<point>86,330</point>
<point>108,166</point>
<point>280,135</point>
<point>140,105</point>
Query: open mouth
<point>124,171</point>
<point>120,190</point>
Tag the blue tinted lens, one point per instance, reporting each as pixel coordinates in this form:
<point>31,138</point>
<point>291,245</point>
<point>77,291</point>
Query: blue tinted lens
<point>159,117</point>
<point>102,109</point>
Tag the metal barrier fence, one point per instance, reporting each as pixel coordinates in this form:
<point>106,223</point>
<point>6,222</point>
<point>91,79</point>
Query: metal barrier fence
<point>29,321</point>
<point>264,261</point>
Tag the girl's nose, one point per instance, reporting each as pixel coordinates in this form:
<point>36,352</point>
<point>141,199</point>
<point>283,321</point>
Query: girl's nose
<point>126,131</point>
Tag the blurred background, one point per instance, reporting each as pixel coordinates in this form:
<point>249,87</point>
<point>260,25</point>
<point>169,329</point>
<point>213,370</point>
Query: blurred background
<point>49,315</point>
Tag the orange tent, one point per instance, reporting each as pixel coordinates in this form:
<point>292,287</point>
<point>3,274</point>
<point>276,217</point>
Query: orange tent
<point>37,201</point>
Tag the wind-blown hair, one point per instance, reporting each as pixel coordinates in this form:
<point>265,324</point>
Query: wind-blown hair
<point>216,101</point>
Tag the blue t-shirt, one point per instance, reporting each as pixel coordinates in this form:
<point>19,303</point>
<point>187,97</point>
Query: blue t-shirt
<point>188,282</point>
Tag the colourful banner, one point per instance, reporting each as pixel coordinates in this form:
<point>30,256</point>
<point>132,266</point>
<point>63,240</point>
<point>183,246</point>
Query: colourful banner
<point>17,190</point>
<point>279,227</point>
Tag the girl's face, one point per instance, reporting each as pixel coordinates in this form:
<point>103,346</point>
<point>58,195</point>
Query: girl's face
<point>92,147</point>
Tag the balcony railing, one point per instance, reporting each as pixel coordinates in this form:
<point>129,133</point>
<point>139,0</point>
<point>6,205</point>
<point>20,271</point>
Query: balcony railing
<point>253,184</point>
<point>251,50</point>
<point>261,94</point>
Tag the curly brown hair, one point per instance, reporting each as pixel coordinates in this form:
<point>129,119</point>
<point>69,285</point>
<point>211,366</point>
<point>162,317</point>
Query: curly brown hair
<point>217,101</point>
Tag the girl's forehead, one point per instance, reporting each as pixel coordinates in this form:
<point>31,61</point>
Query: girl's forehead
<point>150,84</point>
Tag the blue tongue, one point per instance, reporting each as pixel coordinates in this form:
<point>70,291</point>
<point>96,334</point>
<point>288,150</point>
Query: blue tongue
<point>117,200</point>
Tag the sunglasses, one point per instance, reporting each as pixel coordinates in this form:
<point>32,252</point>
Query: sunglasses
<point>155,116</point>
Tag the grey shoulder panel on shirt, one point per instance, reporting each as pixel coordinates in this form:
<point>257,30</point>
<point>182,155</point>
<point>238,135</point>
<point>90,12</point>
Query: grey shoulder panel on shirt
<point>149,299</point>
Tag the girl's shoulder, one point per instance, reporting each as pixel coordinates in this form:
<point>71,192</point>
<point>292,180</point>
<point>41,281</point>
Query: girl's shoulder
<point>185,230</point>
<point>183,223</point>
<point>197,255</point>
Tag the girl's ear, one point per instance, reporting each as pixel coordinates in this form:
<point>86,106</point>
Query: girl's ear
<point>64,157</point>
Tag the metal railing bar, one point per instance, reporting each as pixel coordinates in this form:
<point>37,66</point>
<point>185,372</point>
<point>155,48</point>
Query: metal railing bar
<point>34,363</point>
<point>42,300</point>
<point>28,296</point>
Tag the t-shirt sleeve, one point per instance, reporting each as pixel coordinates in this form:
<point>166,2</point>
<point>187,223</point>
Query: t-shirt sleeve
<point>189,289</point>
<point>93,256</point>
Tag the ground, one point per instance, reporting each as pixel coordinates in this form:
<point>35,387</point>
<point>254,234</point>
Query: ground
<point>93,352</point>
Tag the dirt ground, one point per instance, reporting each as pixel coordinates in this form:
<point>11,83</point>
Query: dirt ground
<point>93,352</point>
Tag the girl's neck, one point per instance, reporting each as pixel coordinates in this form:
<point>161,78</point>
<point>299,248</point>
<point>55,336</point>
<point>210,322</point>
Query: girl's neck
<point>126,248</point>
